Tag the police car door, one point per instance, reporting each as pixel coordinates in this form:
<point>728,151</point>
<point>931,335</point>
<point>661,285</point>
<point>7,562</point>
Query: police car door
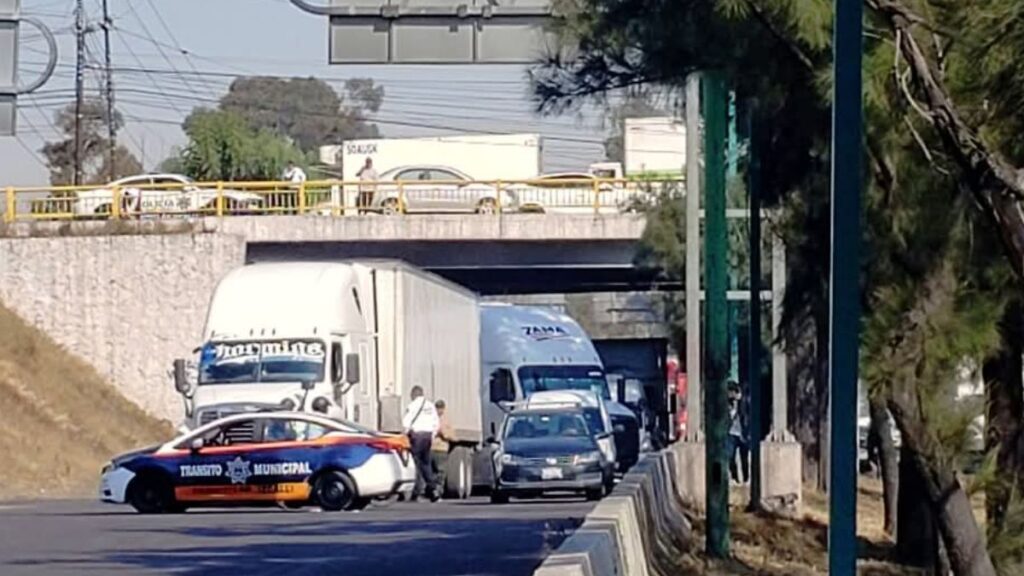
<point>220,469</point>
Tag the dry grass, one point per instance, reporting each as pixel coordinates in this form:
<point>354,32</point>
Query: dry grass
<point>59,421</point>
<point>774,545</point>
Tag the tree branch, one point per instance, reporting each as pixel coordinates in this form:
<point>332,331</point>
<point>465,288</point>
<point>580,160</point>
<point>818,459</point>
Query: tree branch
<point>992,180</point>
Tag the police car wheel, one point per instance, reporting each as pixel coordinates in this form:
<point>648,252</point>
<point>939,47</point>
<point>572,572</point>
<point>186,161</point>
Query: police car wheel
<point>334,491</point>
<point>150,494</point>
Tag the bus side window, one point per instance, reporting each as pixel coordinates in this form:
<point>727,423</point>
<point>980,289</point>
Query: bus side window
<point>502,386</point>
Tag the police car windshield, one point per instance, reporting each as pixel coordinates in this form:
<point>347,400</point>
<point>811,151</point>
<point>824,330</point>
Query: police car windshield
<point>546,425</point>
<point>243,362</point>
<point>547,378</point>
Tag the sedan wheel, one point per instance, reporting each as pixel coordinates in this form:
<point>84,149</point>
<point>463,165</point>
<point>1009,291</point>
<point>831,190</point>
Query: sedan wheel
<point>391,207</point>
<point>151,495</point>
<point>487,206</point>
<point>334,491</point>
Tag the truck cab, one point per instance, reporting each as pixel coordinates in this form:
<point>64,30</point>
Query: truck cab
<point>526,350</point>
<point>259,354</point>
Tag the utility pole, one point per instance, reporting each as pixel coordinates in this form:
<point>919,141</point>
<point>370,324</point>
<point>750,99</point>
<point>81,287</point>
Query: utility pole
<point>111,126</point>
<point>79,88</point>
<point>754,356</point>
<point>844,284</point>
<point>716,370</point>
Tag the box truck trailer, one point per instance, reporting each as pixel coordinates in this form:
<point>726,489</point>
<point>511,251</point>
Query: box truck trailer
<point>350,339</point>
<point>526,349</point>
<point>481,156</point>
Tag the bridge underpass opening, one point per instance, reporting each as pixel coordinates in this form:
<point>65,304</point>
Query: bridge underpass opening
<point>491,267</point>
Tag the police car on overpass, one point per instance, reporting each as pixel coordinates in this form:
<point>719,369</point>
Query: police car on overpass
<point>293,458</point>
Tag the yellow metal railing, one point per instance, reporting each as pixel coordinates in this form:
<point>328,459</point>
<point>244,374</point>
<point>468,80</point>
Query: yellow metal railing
<point>331,198</point>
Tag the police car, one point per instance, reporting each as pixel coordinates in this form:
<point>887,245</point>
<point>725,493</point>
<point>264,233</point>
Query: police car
<point>290,458</point>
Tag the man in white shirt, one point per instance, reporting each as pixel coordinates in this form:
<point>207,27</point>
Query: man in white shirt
<point>421,423</point>
<point>294,174</point>
<point>366,174</point>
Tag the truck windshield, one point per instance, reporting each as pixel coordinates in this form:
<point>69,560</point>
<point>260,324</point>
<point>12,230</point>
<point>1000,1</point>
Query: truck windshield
<point>238,362</point>
<point>547,378</point>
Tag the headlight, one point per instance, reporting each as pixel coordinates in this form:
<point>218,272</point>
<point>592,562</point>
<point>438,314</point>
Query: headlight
<point>588,458</point>
<point>509,458</point>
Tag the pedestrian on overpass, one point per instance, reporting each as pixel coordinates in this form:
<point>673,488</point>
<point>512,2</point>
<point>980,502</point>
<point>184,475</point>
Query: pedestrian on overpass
<point>421,423</point>
<point>440,448</point>
<point>369,175</point>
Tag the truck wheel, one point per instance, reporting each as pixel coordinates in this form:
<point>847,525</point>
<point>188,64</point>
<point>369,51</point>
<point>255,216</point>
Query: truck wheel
<point>151,494</point>
<point>459,480</point>
<point>334,491</point>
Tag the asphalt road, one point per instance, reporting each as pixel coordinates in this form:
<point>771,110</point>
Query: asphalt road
<point>445,539</point>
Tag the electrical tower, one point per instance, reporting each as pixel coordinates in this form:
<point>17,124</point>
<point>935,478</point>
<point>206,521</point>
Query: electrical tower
<point>111,125</point>
<point>79,87</point>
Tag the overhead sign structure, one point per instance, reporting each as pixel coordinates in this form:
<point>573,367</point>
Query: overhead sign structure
<point>9,14</point>
<point>437,31</point>
<point>10,19</point>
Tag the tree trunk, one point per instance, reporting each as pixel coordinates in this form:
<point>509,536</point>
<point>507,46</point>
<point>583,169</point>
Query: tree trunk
<point>821,392</point>
<point>1004,395</point>
<point>881,429</point>
<point>916,537</point>
<point>964,544</point>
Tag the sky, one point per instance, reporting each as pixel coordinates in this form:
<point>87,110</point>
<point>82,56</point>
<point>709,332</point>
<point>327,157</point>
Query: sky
<point>180,54</point>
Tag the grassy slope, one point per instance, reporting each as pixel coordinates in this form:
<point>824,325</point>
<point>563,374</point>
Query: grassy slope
<point>59,421</point>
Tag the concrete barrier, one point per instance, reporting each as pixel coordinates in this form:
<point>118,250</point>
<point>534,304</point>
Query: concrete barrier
<point>638,530</point>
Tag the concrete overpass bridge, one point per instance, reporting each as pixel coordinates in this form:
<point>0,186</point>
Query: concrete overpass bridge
<point>130,295</point>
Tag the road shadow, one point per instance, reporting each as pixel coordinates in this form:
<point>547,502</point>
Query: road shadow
<point>322,545</point>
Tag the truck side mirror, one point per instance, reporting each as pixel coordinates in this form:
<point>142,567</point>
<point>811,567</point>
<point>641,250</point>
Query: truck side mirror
<point>181,383</point>
<point>352,368</point>
<point>308,385</point>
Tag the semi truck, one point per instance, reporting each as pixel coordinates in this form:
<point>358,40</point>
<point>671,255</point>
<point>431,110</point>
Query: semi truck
<point>350,339</point>
<point>527,349</point>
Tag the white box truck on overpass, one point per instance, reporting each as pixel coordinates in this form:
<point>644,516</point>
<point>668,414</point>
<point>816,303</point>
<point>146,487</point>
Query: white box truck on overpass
<point>482,157</point>
<point>350,339</point>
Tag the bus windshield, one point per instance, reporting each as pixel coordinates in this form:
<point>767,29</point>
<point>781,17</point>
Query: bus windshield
<point>547,378</point>
<point>244,362</point>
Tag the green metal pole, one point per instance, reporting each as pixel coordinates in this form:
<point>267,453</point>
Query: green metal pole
<point>844,301</point>
<point>754,337</point>
<point>716,367</point>
<point>732,161</point>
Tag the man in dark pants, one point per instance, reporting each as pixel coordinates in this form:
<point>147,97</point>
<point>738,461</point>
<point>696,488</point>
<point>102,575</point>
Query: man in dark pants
<point>421,423</point>
<point>441,447</point>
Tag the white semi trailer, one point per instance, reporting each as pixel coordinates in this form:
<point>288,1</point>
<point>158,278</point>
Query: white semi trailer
<point>351,339</point>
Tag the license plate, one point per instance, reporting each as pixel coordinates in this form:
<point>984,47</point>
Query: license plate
<point>550,473</point>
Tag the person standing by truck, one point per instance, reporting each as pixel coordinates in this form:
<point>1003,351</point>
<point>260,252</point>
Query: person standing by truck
<point>421,424</point>
<point>440,448</point>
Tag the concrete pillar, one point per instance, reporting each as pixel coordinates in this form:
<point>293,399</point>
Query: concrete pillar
<point>781,455</point>
<point>693,261</point>
<point>691,450</point>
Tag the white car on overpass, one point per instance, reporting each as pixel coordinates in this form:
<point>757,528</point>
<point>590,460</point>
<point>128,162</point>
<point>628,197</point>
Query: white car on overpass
<point>430,188</point>
<point>161,194</point>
